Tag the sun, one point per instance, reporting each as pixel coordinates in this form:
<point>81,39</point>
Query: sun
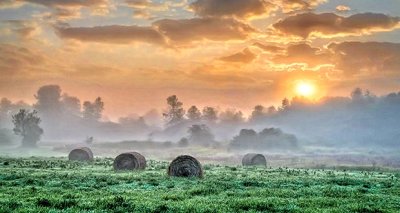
<point>305,89</point>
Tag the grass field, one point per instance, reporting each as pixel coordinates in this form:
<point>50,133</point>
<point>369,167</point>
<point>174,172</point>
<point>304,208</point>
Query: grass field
<point>54,185</point>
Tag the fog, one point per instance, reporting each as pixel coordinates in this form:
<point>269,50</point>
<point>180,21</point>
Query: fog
<point>359,123</point>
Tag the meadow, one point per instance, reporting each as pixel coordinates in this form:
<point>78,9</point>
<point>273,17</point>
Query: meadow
<point>57,185</point>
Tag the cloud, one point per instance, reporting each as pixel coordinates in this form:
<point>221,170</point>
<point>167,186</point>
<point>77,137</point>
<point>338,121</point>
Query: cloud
<point>331,25</point>
<point>343,8</point>
<point>67,9</point>
<point>269,48</point>
<point>288,6</point>
<point>244,56</point>
<point>112,34</point>
<point>173,32</point>
<point>366,57</point>
<point>9,4</point>
<point>303,53</point>
<point>216,29</point>
<point>231,8</point>
<point>23,28</point>
<point>150,9</point>
<point>69,3</point>
<point>14,59</point>
<point>146,4</point>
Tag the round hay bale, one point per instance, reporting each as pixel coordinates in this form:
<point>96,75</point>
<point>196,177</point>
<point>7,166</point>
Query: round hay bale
<point>253,159</point>
<point>185,166</point>
<point>130,161</point>
<point>81,154</point>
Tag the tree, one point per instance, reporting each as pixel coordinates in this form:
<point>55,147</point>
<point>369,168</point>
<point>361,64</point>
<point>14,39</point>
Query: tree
<point>245,139</point>
<point>175,112</point>
<point>258,113</point>
<point>200,134</point>
<point>285,104</point>
<point>26,124</point>
<point>193,113</point>
<point>71,105</point>
<point>93,111</point>
<point>210,114</point>
<point>357,94</point>
<point>271,110</point>
<point>231,116</point>
<point>49,101</point>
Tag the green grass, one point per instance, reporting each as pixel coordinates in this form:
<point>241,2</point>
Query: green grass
<point>55,185</point>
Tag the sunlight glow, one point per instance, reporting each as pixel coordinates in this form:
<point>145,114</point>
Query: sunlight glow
<point>305,89</point>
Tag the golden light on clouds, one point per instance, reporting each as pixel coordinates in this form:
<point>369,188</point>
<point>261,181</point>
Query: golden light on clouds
<point>204,51</point>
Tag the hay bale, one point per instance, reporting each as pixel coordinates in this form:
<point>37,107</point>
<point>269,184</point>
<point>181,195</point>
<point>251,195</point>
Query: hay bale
<point>81,154</point>
<point>253,159</point>
<point>130,161</point>
<point>185,166</point>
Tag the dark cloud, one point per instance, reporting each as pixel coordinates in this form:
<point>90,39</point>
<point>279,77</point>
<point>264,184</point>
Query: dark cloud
<point>112,34</point>
<point>229,8</point>
<point>330,24</point>
<point>244,56</point>
<point>356,57</point>
<point>196,29</point>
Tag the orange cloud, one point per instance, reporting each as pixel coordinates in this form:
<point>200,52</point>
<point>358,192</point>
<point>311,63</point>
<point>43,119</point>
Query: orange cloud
<point>197,29</point>
<point>269,48</point>
<point>295,5</point>
<point>14,59</point>
<point>112,34</point>
<point>245,56</point>
<point>330,24</point>
<point>231,8</point>
<point>367,57</point>
<point>302,53</point>
<point>343,8</point>
<point>23,28</point>
<point>175,32</point>
<point>66,9</point>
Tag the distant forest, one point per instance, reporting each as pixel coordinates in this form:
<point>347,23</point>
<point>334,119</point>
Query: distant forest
<point>361,119</point>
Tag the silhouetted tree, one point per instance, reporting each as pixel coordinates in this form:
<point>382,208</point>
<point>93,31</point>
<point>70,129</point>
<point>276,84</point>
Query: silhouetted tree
<point>357,94</point>
<point>49,101</point>
<point>193,113</point>
<point>245,139</point>
<point>175,112</point>
<point>271,110</point>
<point>285,104</point>
<point>231,116</point>
<point>258,113</point>
<point>71,105</point>
<point>200,134</point>
<point>210,114</point>
<point>26,124</point>
<point>93,111</point>
<point>269,138</point>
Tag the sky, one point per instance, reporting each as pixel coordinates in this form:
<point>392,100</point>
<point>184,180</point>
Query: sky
<point>221,53</point>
